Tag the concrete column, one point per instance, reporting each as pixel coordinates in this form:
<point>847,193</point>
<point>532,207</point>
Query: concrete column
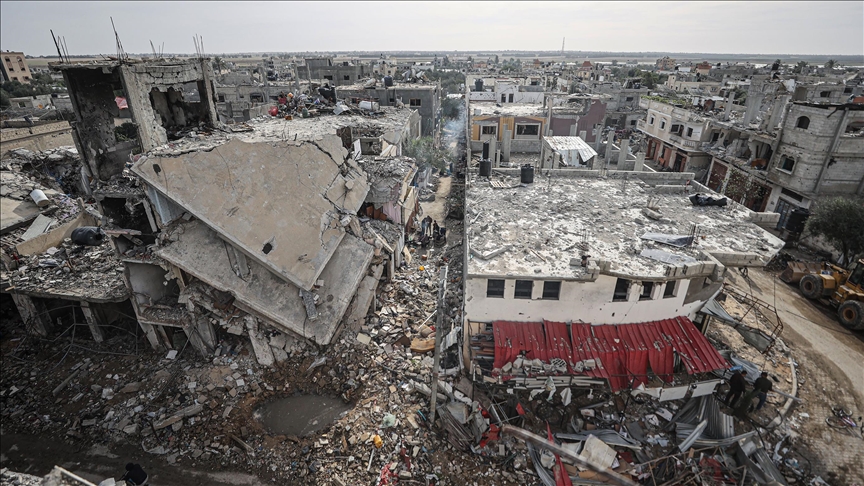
<point>622,153</point>
<point>728,109</point>
<point>754,102</point>
<point>506,138</point>
<point>573,129</point>
<point>201,335</point>
<point>151,335</point>
<point>597,163</point>
<point>777,112</point>
<point>493,148</point>
<point>92,321</point>
<point>640,161</point>
<point>260,345</point>
<point>610,139</point>
<point>583,135</point>
<point>33,313</point>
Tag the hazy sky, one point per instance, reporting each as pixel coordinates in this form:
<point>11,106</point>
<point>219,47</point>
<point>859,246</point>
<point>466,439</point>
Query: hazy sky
<point>717,27</point>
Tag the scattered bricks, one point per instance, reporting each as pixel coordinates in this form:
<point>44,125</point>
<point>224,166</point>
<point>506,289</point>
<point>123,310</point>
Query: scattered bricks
<point>186,412</point>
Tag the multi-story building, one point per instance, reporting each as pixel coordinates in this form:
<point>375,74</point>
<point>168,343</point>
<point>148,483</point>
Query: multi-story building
<point>425,98</point>
<point>14,67</point>
<point>665,64</point>
<point>675,136</point>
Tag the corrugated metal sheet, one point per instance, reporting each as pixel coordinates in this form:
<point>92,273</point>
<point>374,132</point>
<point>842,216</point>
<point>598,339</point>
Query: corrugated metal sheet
<point>623,353</point>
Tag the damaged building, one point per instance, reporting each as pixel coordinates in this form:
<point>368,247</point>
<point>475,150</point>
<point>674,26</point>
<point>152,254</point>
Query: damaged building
<point>581,257</point>
<point>292,248</point>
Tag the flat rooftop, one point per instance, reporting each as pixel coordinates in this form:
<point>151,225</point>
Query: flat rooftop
<point>509,109</point>
<point>536,229</point>
<point>273,129</point>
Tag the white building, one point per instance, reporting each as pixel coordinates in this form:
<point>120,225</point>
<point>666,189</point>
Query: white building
<point>574,247</point>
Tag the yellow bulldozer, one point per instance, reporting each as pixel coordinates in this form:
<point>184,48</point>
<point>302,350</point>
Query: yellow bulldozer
<point>837,286</point>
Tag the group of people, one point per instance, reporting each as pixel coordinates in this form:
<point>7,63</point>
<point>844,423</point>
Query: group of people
<point>737,387</point>
<point>430,230</point>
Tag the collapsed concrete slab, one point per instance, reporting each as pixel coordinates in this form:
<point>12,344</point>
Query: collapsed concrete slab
<point>280,203</point>
<point>199,251</point>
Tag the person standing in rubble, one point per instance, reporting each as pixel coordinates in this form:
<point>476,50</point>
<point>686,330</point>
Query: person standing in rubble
<point>435,229</point>
<point>737,385</point>
<point>761,387</point>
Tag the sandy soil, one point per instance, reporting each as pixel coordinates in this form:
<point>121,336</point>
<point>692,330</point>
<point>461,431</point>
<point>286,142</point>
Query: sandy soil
<point>437,209</point>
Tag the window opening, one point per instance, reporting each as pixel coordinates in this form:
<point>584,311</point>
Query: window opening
<point>495,288</point>
<point>523,289</point>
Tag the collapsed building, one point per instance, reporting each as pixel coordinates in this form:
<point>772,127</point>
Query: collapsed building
<point>573,274</point>
<point>268,230</point>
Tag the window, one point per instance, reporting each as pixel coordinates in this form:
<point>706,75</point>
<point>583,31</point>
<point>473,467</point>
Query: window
<point>621,287</point>
<point>415,102</point>
<point>647,288</point>
<point>662,124</point>
<point>328,77</point>
<point>632,122</point>
<point>523,289</point>
<point>689,132</point>
<point>551,290</point>
<point>510,98</point>
<point>495,288</point>
<point>221,98</point>
<point>670,289</point>
<point>629,98</point>
<point>346,78</point>
<point>824,94</point>
<point>803,122</point>
<point>792,194</point>
<point>651,121</point>
<point>21,104</point>
<point>488,130</point>
<point>675,128</point>
<point>847,89</point>
<point>527,129</point>
<point>503,98</point>
<point>786,164</point>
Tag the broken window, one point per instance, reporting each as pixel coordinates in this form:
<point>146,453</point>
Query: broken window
<point>689,131</point>
<point>803,122</point>
<point>647,288</point>
<point>824,94</point>
<point>629,98</point>
<point>346,78</point>
<point>715,137</point>
<point>786,164</point>
<point>676,129</point>
<point>488,130</point>
<point>415,102</point>
<point>503,98</point>
<point>632,122</point>
<point>523,289</point>
<point>792,194</point>
<point>670,289</point>
<point>495,288</point>
<point>256,97</point>
<point>621,287</point>
<point>529,130</point>
<point>510,98</point>
<point>551,290</point>
<point>328,77</point>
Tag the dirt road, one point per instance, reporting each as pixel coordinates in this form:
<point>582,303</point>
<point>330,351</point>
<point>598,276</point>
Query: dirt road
<point>437,209</point>
<point>830,373</point>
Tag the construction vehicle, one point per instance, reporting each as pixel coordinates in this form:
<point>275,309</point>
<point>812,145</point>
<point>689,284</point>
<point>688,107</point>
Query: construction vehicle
<point>841,288</point>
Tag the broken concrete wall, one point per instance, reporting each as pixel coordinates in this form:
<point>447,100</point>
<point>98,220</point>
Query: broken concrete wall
<point>93,91</point>
<point>281,203</point>
<point>159,100</point>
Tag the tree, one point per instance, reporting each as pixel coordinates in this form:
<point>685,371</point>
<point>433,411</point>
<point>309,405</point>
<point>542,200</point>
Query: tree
<point>424,151</point>
<point>450,108</point>
<point>4,99</point>
<point>800,67</point>
<point>840,221</point>
<point>830,63</point>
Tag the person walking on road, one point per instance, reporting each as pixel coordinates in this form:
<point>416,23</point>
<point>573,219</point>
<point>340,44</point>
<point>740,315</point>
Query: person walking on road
<point>737,385</point>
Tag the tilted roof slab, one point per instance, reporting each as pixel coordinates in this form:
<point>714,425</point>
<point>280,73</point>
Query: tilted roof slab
<point>278,202</point>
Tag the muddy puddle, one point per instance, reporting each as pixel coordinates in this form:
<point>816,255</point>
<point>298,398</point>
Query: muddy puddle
<point>300,415</point>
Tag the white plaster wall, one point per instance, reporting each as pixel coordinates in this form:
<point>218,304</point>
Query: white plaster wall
<point>589,302</point>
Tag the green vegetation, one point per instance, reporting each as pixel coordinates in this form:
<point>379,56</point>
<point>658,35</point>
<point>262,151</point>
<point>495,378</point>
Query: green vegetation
<point>42,84</point>
<point>450,80</point>
<point>425,153</point>
<point>840,221</point>
<point>450,108</point>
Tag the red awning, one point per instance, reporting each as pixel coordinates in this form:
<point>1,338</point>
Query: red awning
<point>623,353</point>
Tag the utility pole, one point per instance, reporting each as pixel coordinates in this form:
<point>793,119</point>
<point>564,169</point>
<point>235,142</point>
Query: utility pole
<point>439,320</point>
<point>562,45</point>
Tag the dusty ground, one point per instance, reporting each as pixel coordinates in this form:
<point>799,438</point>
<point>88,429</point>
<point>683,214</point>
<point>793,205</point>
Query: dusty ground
<point>830,373</point>
<point>437,209</point>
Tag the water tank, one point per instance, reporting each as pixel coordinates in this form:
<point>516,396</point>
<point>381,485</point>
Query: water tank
<point>797,219</point>
<point>486,150</point>
<point>369,105</point>
<point>485,168</point>
<point>527,174</point>
<point>478,84</point>
<point>388,81</point>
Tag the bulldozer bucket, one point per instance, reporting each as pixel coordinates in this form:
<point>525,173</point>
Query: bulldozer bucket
<point>796,270</point>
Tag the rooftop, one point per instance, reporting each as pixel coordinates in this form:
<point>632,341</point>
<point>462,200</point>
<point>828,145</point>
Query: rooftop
<point>509,109</point>
<point>537,229</point>
<point>380,85</point>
